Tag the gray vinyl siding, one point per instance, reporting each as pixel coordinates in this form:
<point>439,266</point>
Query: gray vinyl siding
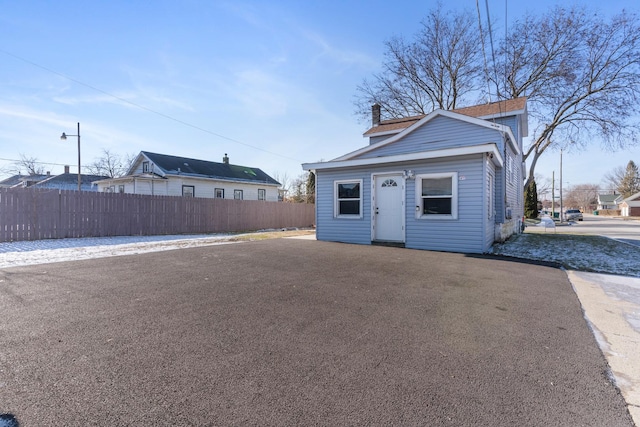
<point>490,220</point>
<point>376,139</point>
<point>466,233</point>
<point>514,190</point>
<point>439,133</point>
<point>350,230</point>
<point>474,229</point>
<point>511,121</point>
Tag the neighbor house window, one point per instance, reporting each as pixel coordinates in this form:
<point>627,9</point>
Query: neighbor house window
<point>145,167</point>
<point>348,199</point>
<point>188,191</point>
<point>120,188</point>
<point>219,193</point>
<point>437,196</point>
<point>262,194</point>
<point>237,194</point>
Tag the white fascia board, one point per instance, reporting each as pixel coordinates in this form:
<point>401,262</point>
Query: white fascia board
<point>135,163</point>
<point>426,119</point>
<point>631,198</point>
<point>114,180</point>
<point>218,179</point>
<point>489,148</point>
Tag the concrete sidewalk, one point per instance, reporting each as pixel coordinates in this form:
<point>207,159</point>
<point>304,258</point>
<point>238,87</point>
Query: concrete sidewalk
<point>612,306</point>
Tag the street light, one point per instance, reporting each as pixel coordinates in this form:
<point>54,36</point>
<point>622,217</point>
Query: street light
<point>64,138</point>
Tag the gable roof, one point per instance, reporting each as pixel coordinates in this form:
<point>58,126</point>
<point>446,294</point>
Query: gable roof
<point>633,197</point>
<point>483,111</point>
<point>609,198</point>
<point>175,165</point>
<point>69,181</point>
<point>426,119</point>
<point>19,180</point>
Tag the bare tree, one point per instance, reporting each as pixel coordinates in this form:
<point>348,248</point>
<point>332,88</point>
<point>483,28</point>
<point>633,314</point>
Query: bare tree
<point>544,187</point>
<point>582,196</point>
<point>284,180</point>
<point>581,75</point>
<point>613,179</point>
<point>28,164</point>
<point>579,70</point>
<point>437,70</point>
<point>110,164</point>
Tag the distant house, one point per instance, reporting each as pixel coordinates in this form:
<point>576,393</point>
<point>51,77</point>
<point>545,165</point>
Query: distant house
<point>446,181</point>
<point>608,201</point>
<point>64,181</point>
<point>22,181</point>
<point>630,206</point>
<point>166,175</point>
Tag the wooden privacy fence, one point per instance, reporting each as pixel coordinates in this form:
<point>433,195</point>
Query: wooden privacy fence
<point>34,214</point>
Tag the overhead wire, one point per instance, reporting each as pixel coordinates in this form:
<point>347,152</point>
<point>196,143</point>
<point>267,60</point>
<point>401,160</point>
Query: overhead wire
<point>142,107</point>
<point>484,53</point>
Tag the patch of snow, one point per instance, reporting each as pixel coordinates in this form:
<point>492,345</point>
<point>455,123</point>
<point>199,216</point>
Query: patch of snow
<point>14,254</point>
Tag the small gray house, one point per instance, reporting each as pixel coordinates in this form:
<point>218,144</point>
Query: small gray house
<point>446,181</point>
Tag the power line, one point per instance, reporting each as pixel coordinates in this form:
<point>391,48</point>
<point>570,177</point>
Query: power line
<point>142,107</point>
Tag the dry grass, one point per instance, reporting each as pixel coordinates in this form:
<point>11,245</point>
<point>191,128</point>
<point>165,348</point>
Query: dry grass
<point>272,234</point>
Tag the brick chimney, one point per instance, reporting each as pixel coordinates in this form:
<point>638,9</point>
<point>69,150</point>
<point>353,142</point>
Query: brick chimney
<point>66,169</point>
<point>225,159</point>
<point>375,114</point>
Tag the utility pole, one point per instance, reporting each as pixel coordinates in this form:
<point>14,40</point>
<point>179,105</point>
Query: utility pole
<point>553,194</point>
<point>561,217</point>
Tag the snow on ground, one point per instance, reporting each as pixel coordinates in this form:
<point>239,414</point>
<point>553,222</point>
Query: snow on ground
<point>13,254</point>
<point>617,254</point>
<point>574,252</point>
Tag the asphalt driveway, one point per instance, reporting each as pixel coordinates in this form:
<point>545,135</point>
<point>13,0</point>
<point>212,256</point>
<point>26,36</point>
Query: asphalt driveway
<point>296,332</point>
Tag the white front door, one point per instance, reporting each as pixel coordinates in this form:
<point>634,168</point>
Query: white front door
<point>388,208</point>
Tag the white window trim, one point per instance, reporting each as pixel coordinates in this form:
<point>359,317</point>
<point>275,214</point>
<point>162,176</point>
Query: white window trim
<point>454,196</point>
<point>193,190</point>
<point>336,204</point>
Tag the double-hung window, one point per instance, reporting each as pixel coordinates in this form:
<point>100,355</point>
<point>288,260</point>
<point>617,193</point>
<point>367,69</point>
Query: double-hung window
<point>437,196</point>
<point>348,199</point>
<point>262,194</point>
<point>188,191</point>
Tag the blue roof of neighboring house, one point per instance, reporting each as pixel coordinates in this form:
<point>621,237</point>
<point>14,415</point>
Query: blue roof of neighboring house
<point>17,180</point>
<point>69,181</point>
<point>194,167</point>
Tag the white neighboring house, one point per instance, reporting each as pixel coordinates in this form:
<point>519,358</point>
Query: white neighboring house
<point>165,175</point>
<point>609,201</point>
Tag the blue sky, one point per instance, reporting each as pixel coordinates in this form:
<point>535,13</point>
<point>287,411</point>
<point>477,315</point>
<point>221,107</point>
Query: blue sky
<point>271,83</point>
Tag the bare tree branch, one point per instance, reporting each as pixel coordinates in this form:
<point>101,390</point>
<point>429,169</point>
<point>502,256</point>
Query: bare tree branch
<point>439,69</point>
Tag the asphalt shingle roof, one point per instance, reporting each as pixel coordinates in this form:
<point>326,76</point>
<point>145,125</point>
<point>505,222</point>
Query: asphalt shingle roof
<point>195,167</point>
<point>477,111</point>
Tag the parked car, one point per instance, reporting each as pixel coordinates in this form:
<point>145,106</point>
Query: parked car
<point>573,215</point>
